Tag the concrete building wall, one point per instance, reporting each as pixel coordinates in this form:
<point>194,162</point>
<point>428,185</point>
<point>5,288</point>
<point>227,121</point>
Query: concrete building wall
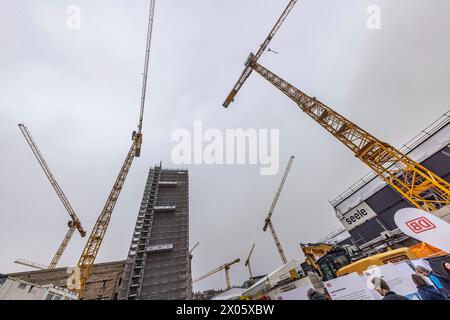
<point>103,284</point>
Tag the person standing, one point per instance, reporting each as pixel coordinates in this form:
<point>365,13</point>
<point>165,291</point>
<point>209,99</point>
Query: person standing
<point>384,290</point>
<point>439,281</point>
<point>314,294</point>
<point>446,267</point>
<point>426,291</point>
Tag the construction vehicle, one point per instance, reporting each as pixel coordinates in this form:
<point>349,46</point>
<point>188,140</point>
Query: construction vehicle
<point>87,259</point>
<point>326,259</point>
<point>312,252</point>
<point>359,266</point>
<point>268,221</point>
<point>420,250</point>
<point>225,267</point>
<point>247,264</point>
<point>330,261</point>
<point>421,187</point>
<point>74,223</point>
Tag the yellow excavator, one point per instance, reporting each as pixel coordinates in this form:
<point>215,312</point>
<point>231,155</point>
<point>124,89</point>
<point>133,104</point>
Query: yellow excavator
<point>330,261</point>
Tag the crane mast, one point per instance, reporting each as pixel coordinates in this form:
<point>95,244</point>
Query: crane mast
<point>421,187</point>
<point>277,195</point>
<point>225,267</point>
<point>87,259</point>
<point>268,221</point>
<point>75,222</point>
<point>247,262</point>
<point>62,246</point>
<point>277,243</point>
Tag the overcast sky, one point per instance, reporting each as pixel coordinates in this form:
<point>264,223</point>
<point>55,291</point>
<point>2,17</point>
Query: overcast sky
<point>78,91</point>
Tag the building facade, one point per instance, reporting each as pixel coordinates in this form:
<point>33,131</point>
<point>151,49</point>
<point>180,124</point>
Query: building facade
<point>158,263</point>
<point>16,289</point>
<point>367,209</point>
<point>103,283</point>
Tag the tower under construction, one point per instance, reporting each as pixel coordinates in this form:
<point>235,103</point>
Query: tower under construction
<point>157,266</point>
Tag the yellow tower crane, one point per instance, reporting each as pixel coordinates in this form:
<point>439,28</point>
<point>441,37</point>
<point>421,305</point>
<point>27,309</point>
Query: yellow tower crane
<point>247,263</point>
<point>268,221</point>
<point>87,259</point>
<point>74,223</point>
<point>421,187</point>
<point>225,267</point>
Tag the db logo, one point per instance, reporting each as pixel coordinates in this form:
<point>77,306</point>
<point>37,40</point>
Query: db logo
<point>420,224</point>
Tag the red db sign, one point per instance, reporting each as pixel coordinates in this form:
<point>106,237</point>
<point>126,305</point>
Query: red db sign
<point>424,226</point>
<point>420,224</point>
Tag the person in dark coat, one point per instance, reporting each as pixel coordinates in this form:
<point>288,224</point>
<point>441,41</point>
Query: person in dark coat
<point>315,295</point>
<point>426,291</point>
<point>446,268</point>
<point>439,281</point>
<point>382,288</point>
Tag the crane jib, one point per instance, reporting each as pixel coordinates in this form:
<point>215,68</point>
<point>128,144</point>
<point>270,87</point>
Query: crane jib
<point>254,58</point>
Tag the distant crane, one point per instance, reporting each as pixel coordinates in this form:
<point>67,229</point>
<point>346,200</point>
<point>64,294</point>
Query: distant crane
<point>74,223</point>
<point>268,221</point>
<point>193,248</point>
<point>247,263</point>
<point>225,267</point>
<point>190,265</point>
<point>92,247</point>
<point>31,264</point>
<point>421,187</point>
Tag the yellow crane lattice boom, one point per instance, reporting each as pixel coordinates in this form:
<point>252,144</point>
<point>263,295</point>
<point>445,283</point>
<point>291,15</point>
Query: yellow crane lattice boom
<point>248,70</point>
<point>75,222</point>
<point>87,259</point>
<point>423,188</point>
<point>94,242</point>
